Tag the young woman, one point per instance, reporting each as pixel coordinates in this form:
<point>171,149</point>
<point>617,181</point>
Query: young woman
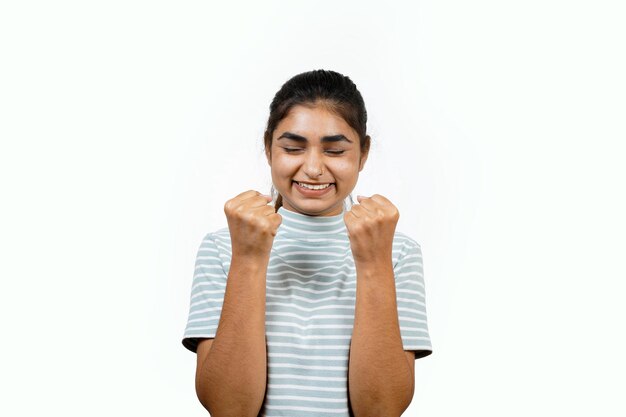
<point>310,306</point>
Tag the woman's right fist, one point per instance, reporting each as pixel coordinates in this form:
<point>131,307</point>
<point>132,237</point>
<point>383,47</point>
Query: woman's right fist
<point>252,223</point>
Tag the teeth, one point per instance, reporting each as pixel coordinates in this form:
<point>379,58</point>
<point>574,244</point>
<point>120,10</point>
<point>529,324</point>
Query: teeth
<point>314,187</point>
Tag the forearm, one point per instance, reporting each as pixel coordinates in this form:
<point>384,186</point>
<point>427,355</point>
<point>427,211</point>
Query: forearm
<point>380,379</point>
<point>232,380</point>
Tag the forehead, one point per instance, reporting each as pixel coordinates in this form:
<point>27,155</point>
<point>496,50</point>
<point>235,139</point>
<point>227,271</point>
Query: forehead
<point>314,123</point>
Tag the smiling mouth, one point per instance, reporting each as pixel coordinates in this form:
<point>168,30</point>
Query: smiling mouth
<point>314,186</point>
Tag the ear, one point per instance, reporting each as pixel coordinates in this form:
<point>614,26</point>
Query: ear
<point>364,154</point>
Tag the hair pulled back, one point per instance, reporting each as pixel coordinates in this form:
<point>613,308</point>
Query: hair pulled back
<point>336,92</point>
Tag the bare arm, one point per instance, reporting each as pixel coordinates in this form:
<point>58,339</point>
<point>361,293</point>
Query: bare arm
<point>231,372</point>
<point>381,382</point>
<point>231,376</point>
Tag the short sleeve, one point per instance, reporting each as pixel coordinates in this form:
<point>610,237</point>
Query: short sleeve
<point>411,299</point>
<point>207,294</point>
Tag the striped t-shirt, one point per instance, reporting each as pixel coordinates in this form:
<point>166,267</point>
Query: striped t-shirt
<point>310,301</point>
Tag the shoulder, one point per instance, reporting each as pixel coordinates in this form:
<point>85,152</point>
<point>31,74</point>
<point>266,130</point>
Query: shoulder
<point>215,245</point>
<point>405,247</point>
<point>217,238</point>
<point>221,235</point>
<point>402,240</point>
<point>214,253</point>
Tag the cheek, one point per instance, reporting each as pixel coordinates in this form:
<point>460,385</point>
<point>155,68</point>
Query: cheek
<point>346,171</point>
<point>282,167</point>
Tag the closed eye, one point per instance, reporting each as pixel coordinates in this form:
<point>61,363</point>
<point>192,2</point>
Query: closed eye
<point>291,150</point>
<point>329,151</point>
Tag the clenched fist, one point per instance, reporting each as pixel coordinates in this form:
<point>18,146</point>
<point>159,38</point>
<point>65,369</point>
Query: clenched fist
<point>252,223</point>
<point>371,226</point>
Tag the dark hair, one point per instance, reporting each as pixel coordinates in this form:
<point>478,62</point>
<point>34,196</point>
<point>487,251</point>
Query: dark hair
<point>336,92</point>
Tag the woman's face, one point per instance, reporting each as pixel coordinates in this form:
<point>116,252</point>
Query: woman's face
<point>314,148</point>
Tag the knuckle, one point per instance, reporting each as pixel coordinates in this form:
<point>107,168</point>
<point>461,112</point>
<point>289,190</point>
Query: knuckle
<point>247,216</point>
<point>228,206</point>
<point>235,213</point>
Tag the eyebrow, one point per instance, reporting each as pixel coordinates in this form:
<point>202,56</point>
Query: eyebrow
<point>298,138</point>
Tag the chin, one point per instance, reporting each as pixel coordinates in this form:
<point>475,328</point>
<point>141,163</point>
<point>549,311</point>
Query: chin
<point>317,208</point>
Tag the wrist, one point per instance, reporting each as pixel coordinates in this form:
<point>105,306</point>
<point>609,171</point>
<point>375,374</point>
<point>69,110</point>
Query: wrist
<point>251,261</point>
<point>374,265</point>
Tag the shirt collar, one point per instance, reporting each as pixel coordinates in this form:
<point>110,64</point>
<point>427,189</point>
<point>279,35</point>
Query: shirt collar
<point>302,225</point>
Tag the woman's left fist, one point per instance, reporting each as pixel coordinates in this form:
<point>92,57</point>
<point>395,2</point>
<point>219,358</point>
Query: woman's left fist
<point>371,226</point>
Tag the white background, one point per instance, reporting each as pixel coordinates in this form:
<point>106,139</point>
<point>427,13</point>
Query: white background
<point>498,131</point>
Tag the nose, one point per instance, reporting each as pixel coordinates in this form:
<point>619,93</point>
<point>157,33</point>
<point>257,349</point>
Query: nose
<point>313,165</point>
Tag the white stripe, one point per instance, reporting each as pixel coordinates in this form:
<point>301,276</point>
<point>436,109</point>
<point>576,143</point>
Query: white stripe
<point>308,347</point>
<point>310,326</point>
<point>209,258</point>
<point>292,219</point>
<point>208,274</point>
<point>308,378</point>
<point>205,310</point>
<point>293,287</point>
<point>293,355</point>
<point>412,310</point>
<point>209,266</point>
<point>201,249</point>
<point>408,300</point>
<point>203,319</point>
<point>307,318</point>
<point>397,246</point>
<point>305,261</point>
<point>415,338</point>
<point>408,274</point>
<point>313,281</point>
<point>306,387</point>
<point>292,305</point>
<point>419,347</point>
<point>208,284</point>
<point>280,237</point>
<point>313,409</point>
<point>412,256</point>
<point>316,274</point>
<point>204,301</point>
<point>402,290</point>
<point>288,265</point>
<point>421,294</point>
<point>404,265</point>
<point>207,292</point>
<point>407,281</point>
<point>297,297</point>
<point>312,367</point>
<point>301,398</point>
<point>279,247</point>
<point>413,329</point>
<point>412,319</point>
<point>311,336</point>
<point>336,231</point>
<point>308,252</point>
<point>197,328</point>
